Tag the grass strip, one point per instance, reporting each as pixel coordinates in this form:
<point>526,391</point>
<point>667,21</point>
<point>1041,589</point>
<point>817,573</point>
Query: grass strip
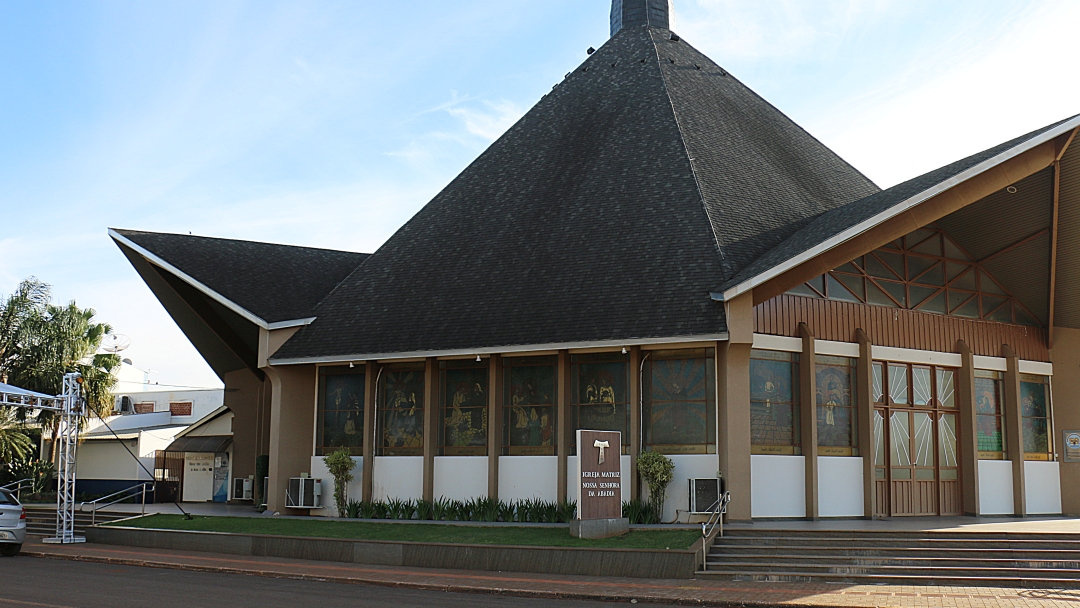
<point>472,535</point>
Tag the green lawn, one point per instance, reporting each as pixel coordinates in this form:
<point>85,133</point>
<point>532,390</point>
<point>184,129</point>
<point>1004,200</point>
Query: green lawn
<point>494,535</point>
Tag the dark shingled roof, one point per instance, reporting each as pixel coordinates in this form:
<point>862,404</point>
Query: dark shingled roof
<point>836,221</point>
<point>273,282</point>
<point>608,212</point>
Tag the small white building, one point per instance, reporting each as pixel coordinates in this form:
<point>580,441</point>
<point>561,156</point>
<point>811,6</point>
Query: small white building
<point>206,452</point>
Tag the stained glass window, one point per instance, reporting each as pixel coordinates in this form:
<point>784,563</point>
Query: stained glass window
<point>401,411</point>
<point>599,395</point>
<point>463,413</point>
<point>529,406</point>
<point>678,410</point>
<point>925,270</point>
<point>835,400</point>
<point>990,432</point>
<point>774,402</point>
<point>340,410</point>
<point>1035,412</point>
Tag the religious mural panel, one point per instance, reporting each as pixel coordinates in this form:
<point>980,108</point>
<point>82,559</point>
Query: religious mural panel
<point>401,413</point>
<point>529,406</point>
<point>464,411</point>
<point>835,382</point>
<point>599,394</point>
<point>341,411</point>
<point>774,402</point>
<point>989,432</point>
<point>679,415</point>
<point>1033,408</point>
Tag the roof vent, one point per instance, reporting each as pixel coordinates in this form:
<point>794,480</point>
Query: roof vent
<point>639,13</point>
<point>590,51</point>
<point>674,37</point>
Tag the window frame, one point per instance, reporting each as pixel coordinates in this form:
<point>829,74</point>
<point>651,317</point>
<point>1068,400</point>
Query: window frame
<point>574,407</point>
<point>852,449</point>
<point>321,410</point>
<point>509,364</point>
<point>383,409</point>
<point>446,410</point>
<point>708,357</point>
<point>795,448</point>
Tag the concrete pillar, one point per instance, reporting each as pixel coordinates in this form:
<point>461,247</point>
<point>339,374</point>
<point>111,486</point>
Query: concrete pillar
<point>1065,407</point>
<point>371,377</point>
<point>969,436</point>
<point>808,419</point>
<point>495,425</point>
<point>1014,424</point>
<point>864,402</point>
<point>243,397</point>
<point>733,405</point>
<point>635,419</point>
<point>431,424</point>
<point>292,420</point>
<point>563,435</point>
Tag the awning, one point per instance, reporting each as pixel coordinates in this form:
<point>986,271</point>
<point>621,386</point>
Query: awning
<point>206,443</point>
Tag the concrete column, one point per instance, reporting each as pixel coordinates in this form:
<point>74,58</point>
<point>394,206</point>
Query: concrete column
<point>243,397</point>
<point>635,419</point>
<point>431,424</point>
<point>371,431</point>
<point>864,386</point>
<point>733,404</point>
<point>1014,424</point>
<point>1065,407</point>
<point>808,419</point>
<point>292,419</point>
<point>969,436</point>
<point>495,425</point>
<point>562,435</point>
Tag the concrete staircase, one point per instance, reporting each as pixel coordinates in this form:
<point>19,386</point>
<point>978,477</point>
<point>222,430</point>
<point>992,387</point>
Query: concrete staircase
<point>41,521</point>
<point>1040,560</point>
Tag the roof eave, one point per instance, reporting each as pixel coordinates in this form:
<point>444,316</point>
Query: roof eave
<point>905,205</point>
<point>210,293</point>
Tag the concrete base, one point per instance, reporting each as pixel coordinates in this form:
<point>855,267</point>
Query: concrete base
<point>599,528</point>
<point>689,517</point>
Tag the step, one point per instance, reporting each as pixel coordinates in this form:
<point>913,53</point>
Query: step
<point>874,534</point>
<point>910,580</point>
<point>926,543</point>
<point>968,553</point>
<point>963,571</point>
<point>923,564</point>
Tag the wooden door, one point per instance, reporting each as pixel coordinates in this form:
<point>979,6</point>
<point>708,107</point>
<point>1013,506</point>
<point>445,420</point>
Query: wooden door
<point>881,480</point>
<point>949,488</point>
<point>901,464</point>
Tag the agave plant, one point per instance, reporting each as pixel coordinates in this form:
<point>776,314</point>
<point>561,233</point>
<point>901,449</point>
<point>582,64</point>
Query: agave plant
<point>442,509</point>
<point>505,511</point>
<point>567,511</point>
<point>353,509</point>
<point>424,509</point>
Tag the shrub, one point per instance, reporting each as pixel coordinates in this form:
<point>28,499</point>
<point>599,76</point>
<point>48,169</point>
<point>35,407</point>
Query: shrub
<point>638,511</point>
<point>354,509</point>
<point>424,509</point>
<point>657,470</point>
<point>340,464</point>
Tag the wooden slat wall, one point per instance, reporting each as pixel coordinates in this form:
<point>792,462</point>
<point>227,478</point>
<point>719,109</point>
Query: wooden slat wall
<point>834,320</point>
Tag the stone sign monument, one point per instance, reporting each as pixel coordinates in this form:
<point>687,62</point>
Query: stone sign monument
<point>599,484</point>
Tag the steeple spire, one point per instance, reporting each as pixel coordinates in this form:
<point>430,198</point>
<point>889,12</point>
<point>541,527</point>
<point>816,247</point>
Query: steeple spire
<point>636,13</point>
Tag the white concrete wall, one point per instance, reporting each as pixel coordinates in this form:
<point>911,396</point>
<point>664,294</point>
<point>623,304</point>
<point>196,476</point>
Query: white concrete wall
<point>573,483</point>
<point>522,477</point>
<point>687,467</point>
<point>222,425</point>
<point>400,477</point>
<point>995,487</point>
<point>460,477</point>
<point>840,486</point>
<point>1042,487</point>
<point>777,486</point>
<point>356,486</point>
<point>149,443</point>
<point>100,459</point>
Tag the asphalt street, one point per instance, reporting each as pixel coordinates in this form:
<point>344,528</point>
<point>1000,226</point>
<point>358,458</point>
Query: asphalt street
<point>46,583</point>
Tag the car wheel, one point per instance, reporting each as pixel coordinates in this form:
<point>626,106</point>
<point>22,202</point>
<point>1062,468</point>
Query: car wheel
<point>9,550</point>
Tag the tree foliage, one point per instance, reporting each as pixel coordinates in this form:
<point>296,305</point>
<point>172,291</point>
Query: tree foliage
<point>15,443</point>
<point>657,470</point>
<point>340,464</point>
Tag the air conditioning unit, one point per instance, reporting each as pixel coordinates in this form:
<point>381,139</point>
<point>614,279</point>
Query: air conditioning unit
<point>304,493</point>
<point>242,488</point>
<point>705,493</point>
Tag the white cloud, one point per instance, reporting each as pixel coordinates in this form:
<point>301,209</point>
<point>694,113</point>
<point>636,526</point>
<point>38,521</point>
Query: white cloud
<point>489,124</point>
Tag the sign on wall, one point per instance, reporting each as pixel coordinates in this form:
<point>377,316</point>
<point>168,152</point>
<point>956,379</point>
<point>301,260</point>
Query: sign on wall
<point>1072,446</point>
<point>599,474</point>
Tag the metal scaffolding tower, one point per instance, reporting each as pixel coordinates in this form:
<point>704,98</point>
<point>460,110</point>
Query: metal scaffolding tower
<point>70,406</point>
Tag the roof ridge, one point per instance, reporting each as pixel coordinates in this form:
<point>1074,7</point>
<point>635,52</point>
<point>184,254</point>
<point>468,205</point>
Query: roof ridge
<point>689,156</point>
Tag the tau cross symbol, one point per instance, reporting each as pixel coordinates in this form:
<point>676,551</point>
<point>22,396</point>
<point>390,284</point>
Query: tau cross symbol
<point>601,445</point>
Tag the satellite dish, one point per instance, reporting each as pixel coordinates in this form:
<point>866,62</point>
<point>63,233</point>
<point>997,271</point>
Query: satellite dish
<point>114,343</point>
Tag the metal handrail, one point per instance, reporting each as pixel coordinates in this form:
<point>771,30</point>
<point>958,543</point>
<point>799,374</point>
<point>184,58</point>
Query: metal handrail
<point>17,487</point>
<point>120,496</point>
<point>709,527</point>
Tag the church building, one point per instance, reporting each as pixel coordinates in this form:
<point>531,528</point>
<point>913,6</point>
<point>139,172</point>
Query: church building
<point>753,306</point>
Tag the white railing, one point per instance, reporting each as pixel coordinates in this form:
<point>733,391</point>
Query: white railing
<point>713,525</point>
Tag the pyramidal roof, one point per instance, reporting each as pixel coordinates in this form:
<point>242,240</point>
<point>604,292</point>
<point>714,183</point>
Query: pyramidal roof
<point>608,212</point>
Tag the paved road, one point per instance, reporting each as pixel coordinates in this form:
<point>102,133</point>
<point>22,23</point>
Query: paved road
<point>29,582</point>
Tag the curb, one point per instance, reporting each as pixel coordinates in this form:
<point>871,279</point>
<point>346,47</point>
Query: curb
<point>524,593</point>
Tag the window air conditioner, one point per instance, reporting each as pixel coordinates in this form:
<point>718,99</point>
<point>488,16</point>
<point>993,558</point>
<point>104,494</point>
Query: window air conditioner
<point>242,489</point>
<point>704,493</point>
<point>304,493</point>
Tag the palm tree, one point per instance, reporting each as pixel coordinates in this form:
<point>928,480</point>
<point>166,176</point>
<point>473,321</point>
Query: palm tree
<point>30,299</point>
<point>15,444</point>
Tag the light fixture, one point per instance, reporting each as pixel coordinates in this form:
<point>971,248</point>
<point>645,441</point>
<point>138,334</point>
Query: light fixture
<point>624,350</point>
<point>478,359</point>
<point>351,365</point>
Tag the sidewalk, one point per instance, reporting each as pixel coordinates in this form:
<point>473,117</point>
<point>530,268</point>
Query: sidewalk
<point>687,592</point>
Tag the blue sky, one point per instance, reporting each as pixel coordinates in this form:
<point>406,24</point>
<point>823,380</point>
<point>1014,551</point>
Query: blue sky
<point>330,123</point>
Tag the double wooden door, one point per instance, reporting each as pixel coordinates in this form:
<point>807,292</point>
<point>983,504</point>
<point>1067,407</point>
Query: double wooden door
<point>915,462</point>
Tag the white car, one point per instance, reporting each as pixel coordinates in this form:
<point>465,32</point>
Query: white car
<point>12,524</point>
